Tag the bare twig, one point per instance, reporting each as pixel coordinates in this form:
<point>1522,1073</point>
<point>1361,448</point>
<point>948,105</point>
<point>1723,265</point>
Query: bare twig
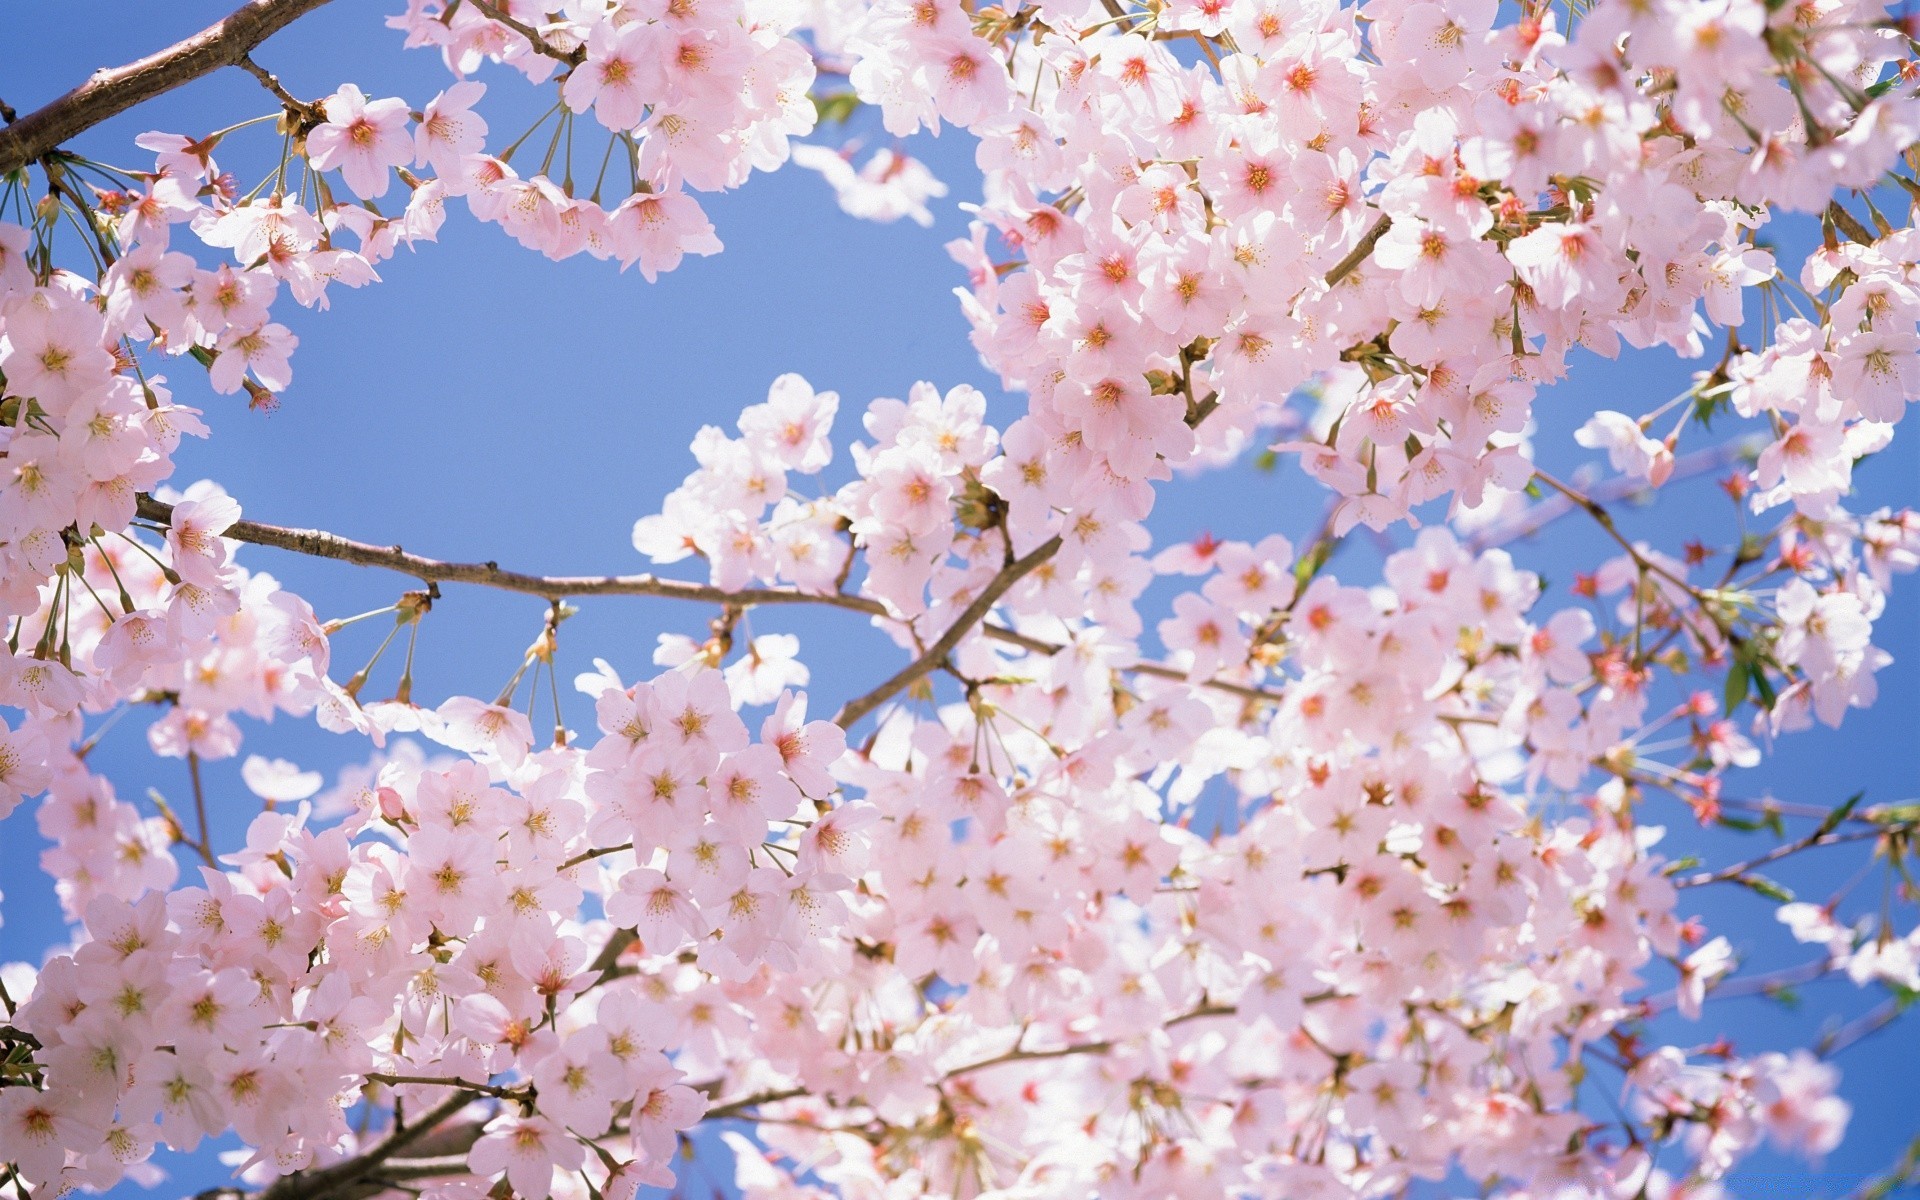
<point>1739,870</point>
<point>1599,513</point>
<point>320,544</point>
<point>113,90</point>
<point>1864,1026</point>
<point>1538,516</point>
<point>1016,1054</point>
<point>1771,983</point>
<point>310,113</point>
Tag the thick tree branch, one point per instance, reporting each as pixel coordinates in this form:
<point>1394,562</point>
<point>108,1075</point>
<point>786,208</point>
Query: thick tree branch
<point>113,90</point>
<point>320,544</point>
<point>314,1185</point>
<point>989,595</point>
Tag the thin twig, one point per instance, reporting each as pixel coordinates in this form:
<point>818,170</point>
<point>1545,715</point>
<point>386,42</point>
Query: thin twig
<point>1767,984</point>
<point>205,846</point>
<point>1599,513</point>
<point>1538,516</point>
<point>1738,870</point>
<point>1018,1055</point>
<point>301,109</point>
<point>1861,1027</point>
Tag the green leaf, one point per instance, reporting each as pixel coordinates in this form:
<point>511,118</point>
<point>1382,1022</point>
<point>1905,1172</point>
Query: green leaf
<point>1833,819</point>
<point>1766,887</point>
<point>1738,679</point>
<point>837,107</point>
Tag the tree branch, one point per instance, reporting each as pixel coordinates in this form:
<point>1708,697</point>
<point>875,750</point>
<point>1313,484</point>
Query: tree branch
<point>735,1108</point>
<point>484,1089</point>
<point>1538,516</point>
<point>1016,1054</point>
<point>1000,633</point>
<point>989,595</point>
<point>1738,871</point>
<point>319,544</point>
<point>495,13</point>
<point>313,1185</point>
<point>1770,983</point>
<point>1360,250</point>
<point>113,90</point>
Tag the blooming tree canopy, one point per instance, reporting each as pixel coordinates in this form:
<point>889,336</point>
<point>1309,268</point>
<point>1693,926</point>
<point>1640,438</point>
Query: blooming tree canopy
<point>1293,886</point>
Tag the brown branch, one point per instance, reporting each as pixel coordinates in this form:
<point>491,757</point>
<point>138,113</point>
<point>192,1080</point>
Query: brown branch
<point>313,1185</point>
<point>1599,513</point>
<point>403,1169</point>
<point>200,807</point>
<point>1000,633</point>
<point>1771,983</point>
<point>308,113</point>
<point>989,595</point>
<point>494,13</point>
<point>607,963</point>
<point>1864,1026</point>
<point>1018,1055</point>
<point>319,544</point>
<point>1361,249</point>
<point>113,90</point>
<point>735,1108</point>
<point>465,1085</point>
<point>1538,516</point>
<point>1738,871</point>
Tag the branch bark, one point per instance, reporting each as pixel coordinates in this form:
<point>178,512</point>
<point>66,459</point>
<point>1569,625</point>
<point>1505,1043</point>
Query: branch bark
<point>1000,633</point>
<point>313,1185</point>
<point>989,595</point>
<point>320,544</point>
<point>1360,250</point>
<point>113,90</point>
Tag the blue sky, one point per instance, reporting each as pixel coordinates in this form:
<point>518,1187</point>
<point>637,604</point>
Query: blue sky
<point>483,402</point>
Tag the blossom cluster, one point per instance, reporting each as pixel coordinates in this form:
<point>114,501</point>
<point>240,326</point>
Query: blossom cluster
<point>1188,870</point>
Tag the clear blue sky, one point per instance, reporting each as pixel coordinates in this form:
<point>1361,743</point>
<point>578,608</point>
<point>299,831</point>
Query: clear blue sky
<point>483,402</point>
